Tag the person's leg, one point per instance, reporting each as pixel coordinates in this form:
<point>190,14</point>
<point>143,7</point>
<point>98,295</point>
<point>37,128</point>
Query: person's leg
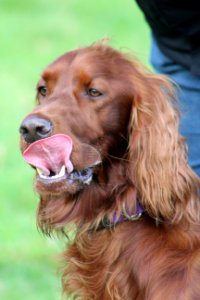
<point>189,96</point>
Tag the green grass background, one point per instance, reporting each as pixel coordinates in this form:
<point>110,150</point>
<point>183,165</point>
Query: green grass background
<point>32,34</point>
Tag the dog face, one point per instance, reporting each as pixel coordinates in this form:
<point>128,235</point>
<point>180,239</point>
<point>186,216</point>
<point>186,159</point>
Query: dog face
<point>81,119</point>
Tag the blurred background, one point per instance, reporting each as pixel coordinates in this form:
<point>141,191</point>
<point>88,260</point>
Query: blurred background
<point>32,34</point>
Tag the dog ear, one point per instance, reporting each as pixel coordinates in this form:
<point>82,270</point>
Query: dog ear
<point>157,153</point>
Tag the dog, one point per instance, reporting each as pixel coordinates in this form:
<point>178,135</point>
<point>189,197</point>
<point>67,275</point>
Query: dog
<point>109,159</point>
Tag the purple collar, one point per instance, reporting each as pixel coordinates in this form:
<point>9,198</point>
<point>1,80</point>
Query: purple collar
<point>126,215</point>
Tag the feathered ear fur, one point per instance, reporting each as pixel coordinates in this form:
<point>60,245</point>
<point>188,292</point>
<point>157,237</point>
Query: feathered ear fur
<point>166,185</point>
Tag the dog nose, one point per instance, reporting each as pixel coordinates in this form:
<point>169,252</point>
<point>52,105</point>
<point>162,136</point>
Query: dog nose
<point>34,128</point>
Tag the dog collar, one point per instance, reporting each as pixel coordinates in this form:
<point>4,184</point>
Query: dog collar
<point>126,215</point>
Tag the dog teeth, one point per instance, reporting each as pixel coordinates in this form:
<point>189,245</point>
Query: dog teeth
<point>39,171</point>
<point>62,172</point>
<point>59,175</point>
<point>69,167</point>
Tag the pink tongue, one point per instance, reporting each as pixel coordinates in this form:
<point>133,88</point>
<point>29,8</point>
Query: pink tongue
<point>50,154</point>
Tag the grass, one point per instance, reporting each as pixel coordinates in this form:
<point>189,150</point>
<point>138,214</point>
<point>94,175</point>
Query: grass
<point>33,33</point>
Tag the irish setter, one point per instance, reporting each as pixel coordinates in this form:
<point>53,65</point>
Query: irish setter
<point>104,142</point>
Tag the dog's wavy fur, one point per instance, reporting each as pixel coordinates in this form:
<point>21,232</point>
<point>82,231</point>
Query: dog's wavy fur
<point>143,159</point>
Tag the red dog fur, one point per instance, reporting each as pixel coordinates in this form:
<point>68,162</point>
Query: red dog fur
<point>105,99</point>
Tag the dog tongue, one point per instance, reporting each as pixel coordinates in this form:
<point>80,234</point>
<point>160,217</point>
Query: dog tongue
<point>50,154</point>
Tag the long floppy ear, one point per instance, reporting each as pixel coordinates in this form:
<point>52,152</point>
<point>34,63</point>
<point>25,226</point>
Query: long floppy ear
<point>166,185</point>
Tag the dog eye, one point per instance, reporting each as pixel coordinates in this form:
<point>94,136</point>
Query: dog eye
<point>42,90</point>
<point>93,92</point>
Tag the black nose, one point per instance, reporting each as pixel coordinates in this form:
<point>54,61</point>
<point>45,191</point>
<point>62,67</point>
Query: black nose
<point>34,128</point>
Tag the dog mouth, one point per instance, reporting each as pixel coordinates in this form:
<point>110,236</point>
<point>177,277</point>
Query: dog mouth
<point>60,165</point>
<point>84,176</point>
